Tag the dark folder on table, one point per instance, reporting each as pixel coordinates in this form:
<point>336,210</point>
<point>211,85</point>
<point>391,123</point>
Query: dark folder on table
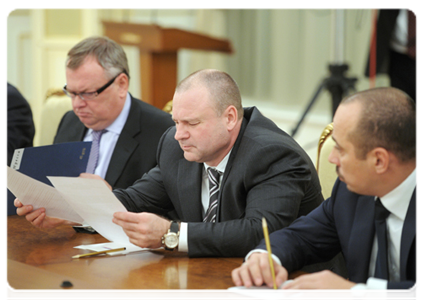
<point>65,159</point>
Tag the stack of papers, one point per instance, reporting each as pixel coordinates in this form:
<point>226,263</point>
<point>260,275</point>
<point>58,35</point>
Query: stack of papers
<point>76,199</point>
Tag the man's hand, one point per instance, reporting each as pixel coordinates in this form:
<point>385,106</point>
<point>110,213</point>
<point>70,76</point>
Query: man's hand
<point>93,176</point>
<point>319,280</point>
<point>256,271</point>
<point>143,229</point>
<point>38,217</point>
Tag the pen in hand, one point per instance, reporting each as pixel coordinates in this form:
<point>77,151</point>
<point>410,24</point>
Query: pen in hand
<point>269,251</point>
<point>98,252</point>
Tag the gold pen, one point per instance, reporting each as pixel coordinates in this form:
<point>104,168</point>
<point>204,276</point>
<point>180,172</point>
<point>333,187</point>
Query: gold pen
<point>98,252</point>
<point>269,251</point>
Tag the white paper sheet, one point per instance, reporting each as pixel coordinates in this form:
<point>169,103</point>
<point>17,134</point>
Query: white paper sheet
<point>95,203</point>
<point>39,194</point>
<point>108,246</point>
<point>262,292</point>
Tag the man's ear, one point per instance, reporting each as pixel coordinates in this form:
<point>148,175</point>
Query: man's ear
<point>231,115</point>
<point>381,159</point>
<point>123,83</point>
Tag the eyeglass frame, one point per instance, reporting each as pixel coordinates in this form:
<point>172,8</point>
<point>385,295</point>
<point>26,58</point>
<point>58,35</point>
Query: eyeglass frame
<point>95,93</point>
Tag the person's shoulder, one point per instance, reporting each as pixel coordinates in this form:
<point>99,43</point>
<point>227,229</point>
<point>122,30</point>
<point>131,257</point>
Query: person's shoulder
<point>14,98</point>
<point>261,129</point>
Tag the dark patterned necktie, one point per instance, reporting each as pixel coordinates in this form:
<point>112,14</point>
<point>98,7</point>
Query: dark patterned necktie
<point>381,213</point>
<point>214,184</point>
<point>95,150</point>
<point>413,33</point>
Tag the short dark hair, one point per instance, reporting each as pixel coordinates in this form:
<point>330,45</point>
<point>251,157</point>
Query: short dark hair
<point>221,86</point>
<point>387,120</point>
<point>108,53</point>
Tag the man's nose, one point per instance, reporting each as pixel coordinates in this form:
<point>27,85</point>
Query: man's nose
<point>181,133</point>
<point>333,158</point>
<point>77,101</point>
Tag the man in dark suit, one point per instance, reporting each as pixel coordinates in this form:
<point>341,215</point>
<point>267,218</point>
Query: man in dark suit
<point>20,130</point>
<point>261,171</point>
<point>396,49</point>
<point>375,154</point>
<point>97,77</point>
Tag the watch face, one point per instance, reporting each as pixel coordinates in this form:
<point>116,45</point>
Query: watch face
<point>171,240</point>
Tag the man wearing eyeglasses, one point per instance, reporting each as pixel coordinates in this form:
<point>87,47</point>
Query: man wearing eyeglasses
<point>97,77</point>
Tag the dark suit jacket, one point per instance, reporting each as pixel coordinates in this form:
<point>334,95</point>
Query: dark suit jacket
<point>344,223</point>
<point>268,175</point>
<point>20,126</point>
<point>135,150</point>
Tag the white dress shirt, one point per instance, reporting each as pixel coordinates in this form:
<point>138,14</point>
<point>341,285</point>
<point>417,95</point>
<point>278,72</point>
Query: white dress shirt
<point>109,139</point>
<point>397,202</point>
<point>183,231</point>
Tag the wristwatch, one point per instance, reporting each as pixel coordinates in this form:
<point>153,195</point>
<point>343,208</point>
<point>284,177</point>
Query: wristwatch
<point>359,291</point>
<point>171,239</point>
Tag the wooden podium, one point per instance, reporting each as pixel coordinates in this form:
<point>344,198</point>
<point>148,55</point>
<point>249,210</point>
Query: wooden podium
<point>158,54</point>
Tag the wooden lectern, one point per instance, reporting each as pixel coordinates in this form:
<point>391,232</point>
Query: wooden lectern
<point>158,54</point>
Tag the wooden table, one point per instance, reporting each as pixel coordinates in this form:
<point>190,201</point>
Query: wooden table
<point>41,259</point>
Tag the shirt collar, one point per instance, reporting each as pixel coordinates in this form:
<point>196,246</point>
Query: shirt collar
<point>221,166</point>
<point>397,200</point>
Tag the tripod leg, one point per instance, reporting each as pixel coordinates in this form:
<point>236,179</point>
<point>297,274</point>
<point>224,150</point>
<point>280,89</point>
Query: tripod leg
<point>319,89</point>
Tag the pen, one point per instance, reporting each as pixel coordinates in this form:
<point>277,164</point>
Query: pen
<point>269,251</point>
<point>98,252</point>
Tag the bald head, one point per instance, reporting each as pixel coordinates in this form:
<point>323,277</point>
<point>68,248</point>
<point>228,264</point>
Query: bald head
<point>222,89</point>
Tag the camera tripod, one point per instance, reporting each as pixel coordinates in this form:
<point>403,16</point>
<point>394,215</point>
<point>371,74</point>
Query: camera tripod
<point>337,84</point>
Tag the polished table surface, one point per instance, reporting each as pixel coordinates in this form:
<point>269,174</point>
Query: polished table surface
<point>42,259</point>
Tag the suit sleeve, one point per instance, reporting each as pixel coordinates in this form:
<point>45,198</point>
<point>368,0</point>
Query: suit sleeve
<point>308,240</point>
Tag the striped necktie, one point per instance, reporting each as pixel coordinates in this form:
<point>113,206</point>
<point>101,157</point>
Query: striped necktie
<point>381,213</point>
<point>95,151</point>
<point>214,184</point>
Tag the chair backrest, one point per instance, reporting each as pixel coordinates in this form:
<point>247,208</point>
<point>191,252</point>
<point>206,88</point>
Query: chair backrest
<point>326,170</point>
<point>55,106</point>
<point>168,107</point>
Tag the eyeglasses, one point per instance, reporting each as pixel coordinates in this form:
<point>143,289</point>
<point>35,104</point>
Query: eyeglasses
<point>90,95</point>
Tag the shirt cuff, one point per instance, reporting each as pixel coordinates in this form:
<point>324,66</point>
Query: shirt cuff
<point>275,258</point>
<point>183,238</point>
<point>372,284</point>
<point>377,289</point>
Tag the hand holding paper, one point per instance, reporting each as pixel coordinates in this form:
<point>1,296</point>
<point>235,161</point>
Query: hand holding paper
<point>40,195</point>
<point>76,199</point>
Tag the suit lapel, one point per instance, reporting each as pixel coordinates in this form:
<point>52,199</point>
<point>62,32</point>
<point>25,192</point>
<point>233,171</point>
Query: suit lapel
<point>78,132</point>
<point>125,144</point>
<point>408,236</point>
<point>189,191</point>
<point>361,239</point>
<point>229,168</point>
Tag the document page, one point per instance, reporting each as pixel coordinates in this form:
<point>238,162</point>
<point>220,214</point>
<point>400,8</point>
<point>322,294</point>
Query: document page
<point>95,203</point>
<point>33,192</point>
